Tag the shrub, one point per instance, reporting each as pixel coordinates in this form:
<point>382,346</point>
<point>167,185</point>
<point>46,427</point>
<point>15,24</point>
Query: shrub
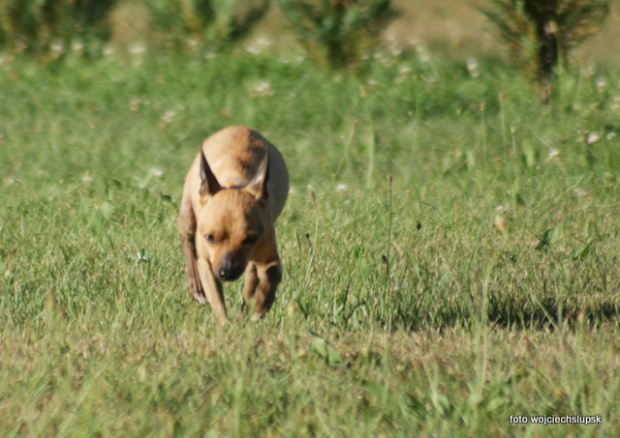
<point>204,22</point>
<point>338,32</point>
<point>542,33</point>
<point>36,26</point>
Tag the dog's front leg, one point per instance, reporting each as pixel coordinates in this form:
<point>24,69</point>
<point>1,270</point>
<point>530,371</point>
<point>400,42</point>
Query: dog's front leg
<point>193,280</point>
<point>250,282</point>
<point>269,277</point>
<point>186,223</point>
<point>213,290</point>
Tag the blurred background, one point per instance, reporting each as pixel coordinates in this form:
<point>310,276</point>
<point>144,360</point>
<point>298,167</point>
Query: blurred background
<point>458,29</point>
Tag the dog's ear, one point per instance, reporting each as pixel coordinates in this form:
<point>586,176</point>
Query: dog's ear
<point>209,185</point>
<point>258,184</point>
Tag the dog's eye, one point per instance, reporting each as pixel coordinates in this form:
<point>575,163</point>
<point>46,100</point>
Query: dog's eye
<point>250,240</point>
<point>210,238</point>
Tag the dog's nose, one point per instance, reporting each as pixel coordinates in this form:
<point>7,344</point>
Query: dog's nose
<point>229,270</point>
<point>229,274</point>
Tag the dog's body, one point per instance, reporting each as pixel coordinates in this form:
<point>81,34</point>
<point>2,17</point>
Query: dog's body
<point>233,194</point>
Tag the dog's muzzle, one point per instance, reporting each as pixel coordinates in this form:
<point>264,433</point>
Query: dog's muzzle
<point>229,270</point>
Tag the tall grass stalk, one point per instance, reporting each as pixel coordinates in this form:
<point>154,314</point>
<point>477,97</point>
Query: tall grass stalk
<point>483,134</point>
<point>371,156</point>
<point>389,293</point>
<point>502,119</point>
<point>345,161</point>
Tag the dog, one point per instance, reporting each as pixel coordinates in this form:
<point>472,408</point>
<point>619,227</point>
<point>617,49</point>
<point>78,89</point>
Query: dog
<point>234,191</point>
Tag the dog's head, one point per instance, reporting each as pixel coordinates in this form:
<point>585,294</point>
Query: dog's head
<point>234,222</point>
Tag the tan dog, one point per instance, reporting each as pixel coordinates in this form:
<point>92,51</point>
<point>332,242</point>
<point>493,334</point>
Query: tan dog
<point>233,194</point>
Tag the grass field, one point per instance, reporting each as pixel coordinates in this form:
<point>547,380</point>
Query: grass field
<point>450,250</point>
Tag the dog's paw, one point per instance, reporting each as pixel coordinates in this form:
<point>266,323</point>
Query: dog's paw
<point>256,316</point>
<point>199,296</point>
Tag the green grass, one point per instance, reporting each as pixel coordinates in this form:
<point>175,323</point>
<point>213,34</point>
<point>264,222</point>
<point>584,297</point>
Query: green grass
<point>450,257</point>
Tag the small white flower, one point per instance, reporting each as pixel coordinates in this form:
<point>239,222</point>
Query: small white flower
<point>501,208</point>
<point>168,116</point>
<point>593,137</point>
<point>57,47</point>
<point>21,46</point>
<point>87,178</point>
<point>424,55</point>
<point>263,88</point>
<point>392,39</point>
<point>601,84</point>
<point>580,192</point>
<point>403,72</point>
<point>396,50</point>
<point>421,49</point>
<point>340,188</point>
<point>257,45</point>
<point>141,256</point>
<point>77,45</point>
<point>252,48</point>
<point>611,135</point>
<point>588,71</point>
<point>472,68</point>
<point>264,40</point>
<point>553,153</point>
<point>415,42</point>
<point>137,49</point>
<point>158,172</point>
<point>108,50</point>
<point>192,41</point>
<point>391,36</point>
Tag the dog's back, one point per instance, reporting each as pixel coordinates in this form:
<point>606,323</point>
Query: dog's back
<point>234,155</point>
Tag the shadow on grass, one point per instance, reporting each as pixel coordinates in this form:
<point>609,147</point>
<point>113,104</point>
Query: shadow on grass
<point>547,314</point>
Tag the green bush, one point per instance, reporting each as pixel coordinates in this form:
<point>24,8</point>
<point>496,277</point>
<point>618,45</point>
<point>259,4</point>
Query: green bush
<point>183,23</point>
<point>338,32</point>
<point>55,26</point>
<point>540,34</point>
